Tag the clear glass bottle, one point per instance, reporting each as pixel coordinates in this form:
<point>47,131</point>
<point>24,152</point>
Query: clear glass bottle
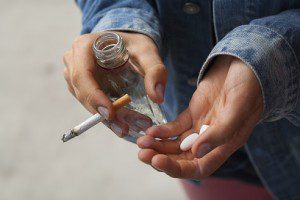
<point>121,76</point>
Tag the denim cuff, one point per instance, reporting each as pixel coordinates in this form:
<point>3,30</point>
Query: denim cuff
<point>131,20</point>
<point>272,60</point>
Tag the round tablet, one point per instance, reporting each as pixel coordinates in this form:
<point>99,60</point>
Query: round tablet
<point>188,142</point>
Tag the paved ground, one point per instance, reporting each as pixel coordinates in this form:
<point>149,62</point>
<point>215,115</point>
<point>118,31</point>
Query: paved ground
<point>35,109</point>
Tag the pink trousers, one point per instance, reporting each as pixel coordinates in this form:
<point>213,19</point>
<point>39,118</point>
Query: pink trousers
<point>221,189</point>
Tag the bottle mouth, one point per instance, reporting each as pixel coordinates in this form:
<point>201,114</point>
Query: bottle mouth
<point>109,50</point>
<point>107,43</point>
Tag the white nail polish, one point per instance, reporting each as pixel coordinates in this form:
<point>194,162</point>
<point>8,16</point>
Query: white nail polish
<point>103,111</point>
<point>203,128</point>
<point>188,142</point>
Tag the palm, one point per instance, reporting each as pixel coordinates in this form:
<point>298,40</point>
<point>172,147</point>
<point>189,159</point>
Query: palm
<point>229,100</point>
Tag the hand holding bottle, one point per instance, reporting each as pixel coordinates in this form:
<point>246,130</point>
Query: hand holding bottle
<point>229,100</point>
<point>84,77</point>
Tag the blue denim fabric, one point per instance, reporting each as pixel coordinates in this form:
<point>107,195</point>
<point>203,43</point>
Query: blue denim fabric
<point>265,34</point>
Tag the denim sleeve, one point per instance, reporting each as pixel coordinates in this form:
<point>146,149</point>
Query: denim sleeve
<point>127,15</point>
<point>270,46</point>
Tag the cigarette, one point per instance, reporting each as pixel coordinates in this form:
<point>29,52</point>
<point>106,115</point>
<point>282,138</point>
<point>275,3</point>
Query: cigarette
<point>93,120</point>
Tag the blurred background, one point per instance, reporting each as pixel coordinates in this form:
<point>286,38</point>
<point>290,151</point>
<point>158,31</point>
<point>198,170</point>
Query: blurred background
<point>36,108</point>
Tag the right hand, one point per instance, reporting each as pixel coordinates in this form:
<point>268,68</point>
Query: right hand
<point>82,75</point>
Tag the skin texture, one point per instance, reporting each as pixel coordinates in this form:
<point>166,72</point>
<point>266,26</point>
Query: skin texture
<point>228,99</point>
<point>84,78</point>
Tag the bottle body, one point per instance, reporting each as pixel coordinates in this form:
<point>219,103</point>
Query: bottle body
<point>125,77</point>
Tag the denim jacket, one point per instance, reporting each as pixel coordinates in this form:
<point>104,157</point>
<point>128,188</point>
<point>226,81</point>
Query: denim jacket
<point>265,34</point>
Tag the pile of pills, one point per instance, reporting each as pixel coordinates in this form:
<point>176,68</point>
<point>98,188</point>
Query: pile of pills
<point>188,142</point>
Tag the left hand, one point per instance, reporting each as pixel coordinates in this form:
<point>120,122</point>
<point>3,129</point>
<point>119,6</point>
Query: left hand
<point>229,100</point>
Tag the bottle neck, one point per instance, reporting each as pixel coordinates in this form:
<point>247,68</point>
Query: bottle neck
<point>110,51</point>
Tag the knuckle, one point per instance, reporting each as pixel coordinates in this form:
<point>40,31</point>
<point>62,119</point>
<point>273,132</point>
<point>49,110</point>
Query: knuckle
<point>147,46</point>
<point>66,74</point>
<point>164,71</point>
<point>79,97</point>
<point>160,67</point>
<point>80,40</point>
<point>66,57</point>
<point>75,78</point>
<point>133,52</point>
<point>89,99</point>
<point>71,90</point>
<point>157,69</point>
<point>206,86</point>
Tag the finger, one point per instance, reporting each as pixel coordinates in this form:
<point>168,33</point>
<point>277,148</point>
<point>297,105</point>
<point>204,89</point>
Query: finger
<point>155,73</point>
<point>161,146</point>
<point>214,159</point>
<point>71,90</point>
<point>155,82</point>
<point>67,57</point>
<point>89,93</point>
<point>163,163</point>
<point>119,128</point>
<point>67,78</point>
<point>181,124</point>
<point>136,121</point>
<point>146,155</point>
<point>194,168</point>
<point>175,168</point>
<point>83,80</point>
<point>223,129</point>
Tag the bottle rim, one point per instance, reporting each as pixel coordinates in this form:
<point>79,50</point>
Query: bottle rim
<point>109,50</point>
<point>107,35</point>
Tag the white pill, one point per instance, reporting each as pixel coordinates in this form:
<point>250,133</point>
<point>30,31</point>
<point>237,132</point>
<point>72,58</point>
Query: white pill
<point>188,142</point>
<point>203,128</point>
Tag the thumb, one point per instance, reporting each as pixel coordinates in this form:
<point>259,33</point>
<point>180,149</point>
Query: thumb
<point>225,127</point>
<point>177,127</point>
<point>155,75</point>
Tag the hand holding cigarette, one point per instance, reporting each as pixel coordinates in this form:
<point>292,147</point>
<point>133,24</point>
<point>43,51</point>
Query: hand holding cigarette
<point>95,119</point>
<point>229,99</point>
<point>85,79</point>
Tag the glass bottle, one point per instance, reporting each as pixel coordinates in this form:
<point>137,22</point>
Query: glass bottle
<point>122,76</point>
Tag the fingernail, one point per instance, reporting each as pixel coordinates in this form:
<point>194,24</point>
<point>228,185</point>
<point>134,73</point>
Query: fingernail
<point>143,124</point>
<point>116,129</point>
<point>159,89</point>
<point>156,168</point>
<point>203,150</point>
<point>103,111</point>
<point>147,143</point>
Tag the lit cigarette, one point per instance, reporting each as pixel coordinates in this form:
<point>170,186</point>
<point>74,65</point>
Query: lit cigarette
<point>93,120</point>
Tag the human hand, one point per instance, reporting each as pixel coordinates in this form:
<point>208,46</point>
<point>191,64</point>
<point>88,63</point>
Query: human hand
<point>84,78</point>
<point>228,99</point>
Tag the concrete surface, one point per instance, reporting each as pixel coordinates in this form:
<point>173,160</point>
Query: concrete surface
<point>35,109</point>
